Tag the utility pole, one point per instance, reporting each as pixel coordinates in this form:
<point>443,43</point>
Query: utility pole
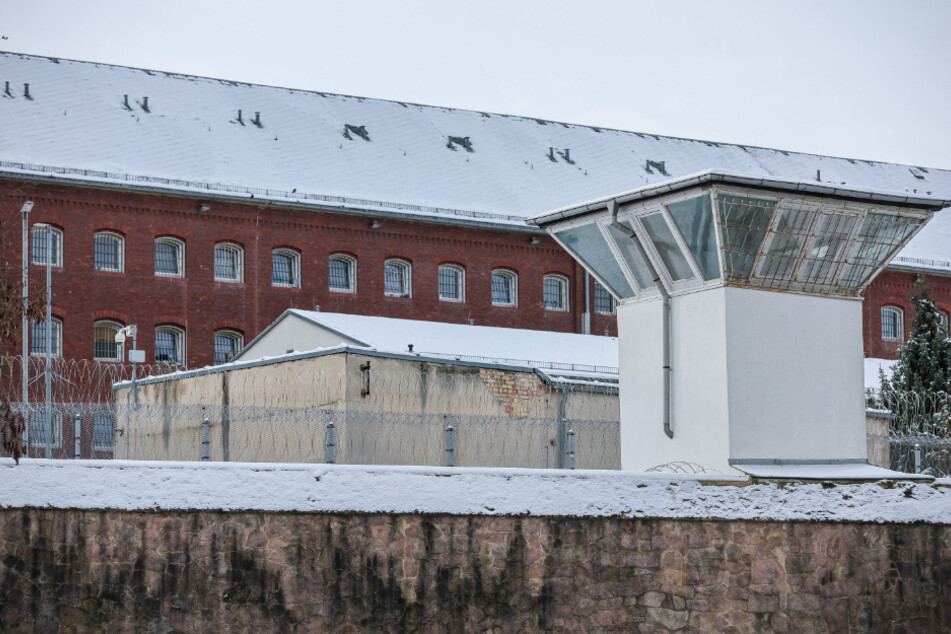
<point>25,398</point>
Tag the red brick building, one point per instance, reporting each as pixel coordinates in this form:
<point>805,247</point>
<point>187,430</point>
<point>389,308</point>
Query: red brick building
<point>198,209</point>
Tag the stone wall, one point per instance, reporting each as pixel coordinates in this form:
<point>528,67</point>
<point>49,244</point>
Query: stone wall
<point>191,571</point>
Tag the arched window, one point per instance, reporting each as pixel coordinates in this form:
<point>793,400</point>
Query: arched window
<point>342,274</point>
<point>555,292</point>
<point>228,343</point>
<point>229,263</point>
<point>504,288</point>
<point>943,322</point>
<point>285,268</point>
<point>893,324</point>
<point>105,347</point>
<point>38,338</point>
<point>604,302</point>
<point>108,252</point>
<point>40,250</point>
<point>397,278</point>
<point>170,345</point>
<point>452,283</point>
<point>169,257</point>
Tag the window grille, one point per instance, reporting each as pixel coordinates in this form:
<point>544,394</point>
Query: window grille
<point>169,257</point>
<point>504,288</point>
<point>342,276</point>
<point>41,431</point>
<point>555,293</point>
<point>396,279</point>
<point>38,338</point>
<point>103,432</point>
<point>228,263</point>
<point>39,250</point>
<point>451,283</point>
<point>893,326</point>
<point>285,268</point>
<point>227,345</point>
<point>604,302</point>
<point>169,346</point>
<point>105,347</point>
<point>108,252</point>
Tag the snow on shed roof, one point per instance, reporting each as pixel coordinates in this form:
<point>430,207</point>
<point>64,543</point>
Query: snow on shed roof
<point>88,122</point>
<point>556,351</point>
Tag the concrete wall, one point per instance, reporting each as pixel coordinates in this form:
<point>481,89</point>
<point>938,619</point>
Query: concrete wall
<point>88,571</point>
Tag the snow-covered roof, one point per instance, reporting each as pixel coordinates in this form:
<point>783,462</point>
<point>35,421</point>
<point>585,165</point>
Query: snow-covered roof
<point>151,130</point>
<point>151,485</point>
<point>556,353</point>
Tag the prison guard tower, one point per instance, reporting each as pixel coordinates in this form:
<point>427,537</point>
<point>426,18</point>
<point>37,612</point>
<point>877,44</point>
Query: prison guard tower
<point>740,316</point>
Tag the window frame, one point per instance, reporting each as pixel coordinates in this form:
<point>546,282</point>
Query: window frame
<point>97,434</point>
<point>405,268</point>
<point>238,253</point>
<point>350,263</point>
<point>562,281</point>
<point>56,428</point>
<point>611,298</point>
<point>179,338</point>
<point>460,281</point>
<point>179,246</point>
<point>120,251</point>
<point>106,323</point>
<point>899,323</point>
<point>944,322</point>
<point>295,270</point>
<point>232,335</point>
<point>512,283</point>
<point>57,337</point>
<point>57,237</point>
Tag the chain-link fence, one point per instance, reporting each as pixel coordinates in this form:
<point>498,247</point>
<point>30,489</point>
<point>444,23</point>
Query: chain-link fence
<point>321,410</point>
<point>919,430</point>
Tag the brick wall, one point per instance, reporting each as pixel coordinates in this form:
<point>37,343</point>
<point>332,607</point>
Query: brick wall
<point>200,305</point>
<point>69,570</point>
<point>893,288</point>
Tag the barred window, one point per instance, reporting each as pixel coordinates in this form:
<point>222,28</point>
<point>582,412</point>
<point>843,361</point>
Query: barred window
<point>285,268</point>
<point>227,344</point>
<point>943,323</point>
<point>40,250</point>
<point>169,257</point>
<point>342,277</point>
<point>103,431</point>
<point>893,324</point>
<point>108,252</point>
<point>504,288</point>
<point>170,345</point>
<point>229,263</point>
<point>397,278</point>
<point>452,283</point>
<point>555,293</point>
<point>604,302</point>
<point>105,347</point>
<point>42,431</point>
<point>38,338</point>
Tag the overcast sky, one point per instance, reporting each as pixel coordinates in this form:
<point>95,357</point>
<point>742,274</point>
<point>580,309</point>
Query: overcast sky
<point>857,78</point>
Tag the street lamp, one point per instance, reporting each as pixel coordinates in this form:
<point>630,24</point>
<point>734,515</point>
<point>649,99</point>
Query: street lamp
<point>134,355</point>
<point>49,336</point>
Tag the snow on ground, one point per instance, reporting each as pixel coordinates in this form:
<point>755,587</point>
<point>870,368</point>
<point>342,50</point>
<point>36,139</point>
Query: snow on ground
<point>338,488</point>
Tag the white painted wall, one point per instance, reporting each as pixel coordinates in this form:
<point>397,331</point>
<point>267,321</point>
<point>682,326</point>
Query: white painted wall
<point>795,376</point>
<point>293,333</point>
<point>756,375</point>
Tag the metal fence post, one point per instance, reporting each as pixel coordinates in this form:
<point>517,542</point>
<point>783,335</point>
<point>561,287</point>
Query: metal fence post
<point>571,449</point>
<point>206,442</point>
<point>330,443</point>
<point>77,434</point>
<point>450,458</point>
<point>917,458</point>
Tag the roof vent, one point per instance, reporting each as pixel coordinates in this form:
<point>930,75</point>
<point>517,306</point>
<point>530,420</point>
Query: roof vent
<point>125,102</point>
<point>551,155</point>
<point>359,130</point>
<point>6,89</point>
<point>410,346</point>
<point>650,166</point>
<point>565,154</point>
<point>917,173</point>
<point>145,104</point>
<point>239,119</point>
<point>257,120</point>
<point>461,141</point>
<point>26,92</point>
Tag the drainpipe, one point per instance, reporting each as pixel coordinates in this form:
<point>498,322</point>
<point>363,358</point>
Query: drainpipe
<point>665,295</point>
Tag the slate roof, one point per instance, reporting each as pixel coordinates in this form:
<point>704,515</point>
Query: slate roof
<point>153,130</point>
